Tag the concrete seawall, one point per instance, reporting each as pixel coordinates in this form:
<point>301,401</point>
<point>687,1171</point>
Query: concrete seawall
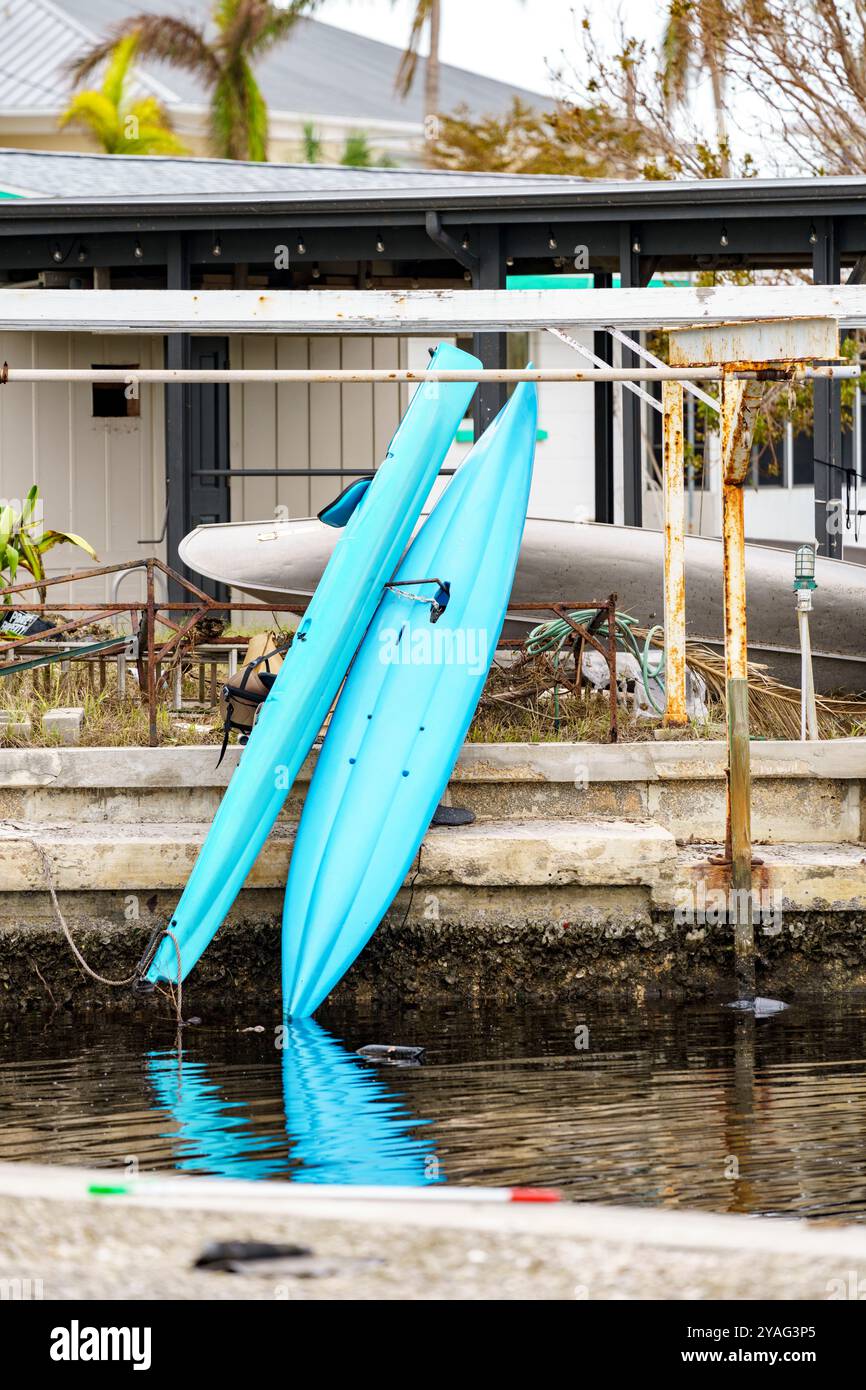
<point>588,870</point>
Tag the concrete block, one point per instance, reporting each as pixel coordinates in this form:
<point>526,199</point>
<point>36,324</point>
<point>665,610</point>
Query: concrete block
<point>64,723</point>
<point>11,726</point>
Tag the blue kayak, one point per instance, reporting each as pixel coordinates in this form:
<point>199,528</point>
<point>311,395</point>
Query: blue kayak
<point>405,709</point>
<point>379,516</point>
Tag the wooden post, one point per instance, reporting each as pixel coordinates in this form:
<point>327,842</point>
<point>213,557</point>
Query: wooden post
<point>675,559</point>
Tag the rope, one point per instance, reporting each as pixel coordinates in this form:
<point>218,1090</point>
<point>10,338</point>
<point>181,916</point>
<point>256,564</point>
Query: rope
<point>412,888</point>
<point>555,634</point>
<point>64,925</point>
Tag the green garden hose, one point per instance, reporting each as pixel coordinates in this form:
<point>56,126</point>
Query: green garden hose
<point>554,635</point>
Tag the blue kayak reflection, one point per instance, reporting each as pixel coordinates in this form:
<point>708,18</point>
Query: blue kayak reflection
<point>344,1124</point>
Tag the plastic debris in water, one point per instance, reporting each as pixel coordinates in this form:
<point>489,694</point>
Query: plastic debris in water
<point>760,1007</point>
<point>390,1055</point>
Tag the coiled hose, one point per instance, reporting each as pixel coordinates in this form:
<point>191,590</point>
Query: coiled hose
<point>552,636</point>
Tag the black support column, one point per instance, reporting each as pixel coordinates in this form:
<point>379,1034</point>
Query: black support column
<point>827,431</point>
<point>177,420</point>
<point>492,348</point>
<point>630,404</point>
<point>602,346</point>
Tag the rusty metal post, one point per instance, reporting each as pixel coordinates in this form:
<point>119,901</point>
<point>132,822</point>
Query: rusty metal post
<point>613,732</point>
<point>738,405</point>
<point>673,459</point>
<point>151,664</point>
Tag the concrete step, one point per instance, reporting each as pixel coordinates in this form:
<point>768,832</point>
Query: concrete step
<point>159,855</point>
<point>509,854</point>
<point>801,792</point>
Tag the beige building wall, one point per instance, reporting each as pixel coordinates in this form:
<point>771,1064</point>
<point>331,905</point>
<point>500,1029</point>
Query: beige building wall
<point>308,426</point>
<point>102,478</point>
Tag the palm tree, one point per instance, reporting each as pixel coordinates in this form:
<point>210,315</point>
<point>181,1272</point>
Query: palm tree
<point>122,126</point>
<point>694,40</point>
<point>245,30</point>
<point>427,16</point>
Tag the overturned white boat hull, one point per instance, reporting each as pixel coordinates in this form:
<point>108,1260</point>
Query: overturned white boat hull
<point>561,561</point>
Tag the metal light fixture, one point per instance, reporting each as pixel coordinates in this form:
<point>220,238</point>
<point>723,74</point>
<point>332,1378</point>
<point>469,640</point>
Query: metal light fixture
<point>551,240</point>
<point>804,568</point>
<point>56,253</point>
<point>813,235</point>
<point>82,254</point>
<point>509,260</point>
<point>301,247</point>
<point>635,246</point>
<point>137,251</point>
<point>465,241</point>
<point>316,271</point>
<point>723,239</point>
<point>217,248</point>
<point>380,244</point>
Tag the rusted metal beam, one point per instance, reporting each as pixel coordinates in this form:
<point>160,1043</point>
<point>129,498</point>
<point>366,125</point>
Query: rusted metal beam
<point>739,402</point>
<point>673,464</point>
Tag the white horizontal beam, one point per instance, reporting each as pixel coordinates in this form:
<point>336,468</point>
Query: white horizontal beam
<point>127,376</point>
<point>416,311</point>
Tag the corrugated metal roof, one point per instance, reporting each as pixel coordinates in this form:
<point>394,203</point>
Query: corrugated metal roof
<point>62,174</point>
<point>38,40</point>
<point>320,70</point>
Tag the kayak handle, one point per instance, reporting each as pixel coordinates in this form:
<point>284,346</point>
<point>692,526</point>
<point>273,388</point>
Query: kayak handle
<point>438,603</point>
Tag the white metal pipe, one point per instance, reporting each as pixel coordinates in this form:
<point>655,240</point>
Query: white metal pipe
<point>808,707</point>
<point>380,375</point>
<point>674,555</point>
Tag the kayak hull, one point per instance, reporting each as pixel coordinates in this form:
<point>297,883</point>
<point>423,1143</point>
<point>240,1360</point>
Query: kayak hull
<point>404,712</point>
<point>362,561</point>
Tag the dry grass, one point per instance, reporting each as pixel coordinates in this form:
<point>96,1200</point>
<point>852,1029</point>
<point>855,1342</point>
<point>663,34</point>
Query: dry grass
<point>518,706</point>
<point>109,719</point>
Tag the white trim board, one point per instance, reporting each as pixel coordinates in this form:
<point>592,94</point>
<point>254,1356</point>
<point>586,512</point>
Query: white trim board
<point>417,311</point>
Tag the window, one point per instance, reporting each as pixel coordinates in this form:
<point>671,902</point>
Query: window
<point>113,400</point>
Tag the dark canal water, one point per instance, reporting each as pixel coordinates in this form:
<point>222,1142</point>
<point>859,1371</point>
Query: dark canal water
<point>679,1107</point>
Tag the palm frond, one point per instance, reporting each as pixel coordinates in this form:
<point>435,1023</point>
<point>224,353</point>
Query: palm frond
<point>161,38</point>
<point>119,65</point>
<point>96,113</point>
<point>279,24</point>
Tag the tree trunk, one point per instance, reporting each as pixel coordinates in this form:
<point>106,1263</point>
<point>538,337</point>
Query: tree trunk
<point>721,118</point>
<point>431,82</point>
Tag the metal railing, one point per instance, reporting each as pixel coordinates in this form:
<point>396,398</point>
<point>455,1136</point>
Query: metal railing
<point>149,652</point>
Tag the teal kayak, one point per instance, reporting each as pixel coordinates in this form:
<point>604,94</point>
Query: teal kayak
<point>405,709</point>
<point>379,516</point>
